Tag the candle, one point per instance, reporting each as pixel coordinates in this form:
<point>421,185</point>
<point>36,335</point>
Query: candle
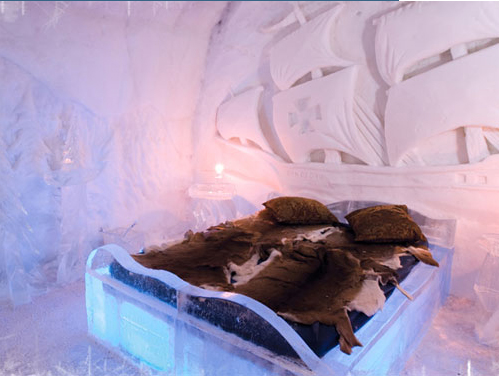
<point>219,168</point>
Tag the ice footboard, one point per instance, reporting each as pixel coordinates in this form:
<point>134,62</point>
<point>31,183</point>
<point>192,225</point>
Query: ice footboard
<point>155,318</point>
<point>176,327</point>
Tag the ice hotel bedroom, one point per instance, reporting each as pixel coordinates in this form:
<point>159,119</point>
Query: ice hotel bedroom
<point>249,188</point>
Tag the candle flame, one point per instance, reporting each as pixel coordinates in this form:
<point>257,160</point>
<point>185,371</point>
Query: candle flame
<point>219,168</point>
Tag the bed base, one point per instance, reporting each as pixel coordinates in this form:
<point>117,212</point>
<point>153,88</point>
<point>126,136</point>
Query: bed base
<point>172,334</point>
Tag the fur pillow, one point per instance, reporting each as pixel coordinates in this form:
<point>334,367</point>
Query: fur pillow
<point>299,211</point>
<point>384,224</point>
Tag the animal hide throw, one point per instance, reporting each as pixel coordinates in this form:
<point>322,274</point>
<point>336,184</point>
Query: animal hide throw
<point>305,273</point>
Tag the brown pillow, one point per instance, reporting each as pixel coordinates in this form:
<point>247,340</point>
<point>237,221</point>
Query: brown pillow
<point>299,211</point>
<point>384,224</point>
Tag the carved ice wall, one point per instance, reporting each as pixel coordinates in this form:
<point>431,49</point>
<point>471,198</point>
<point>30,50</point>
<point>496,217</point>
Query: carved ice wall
<point>443,77</point>
<point>96,108</point>
<point>51,150</point>
<point>448,164</point>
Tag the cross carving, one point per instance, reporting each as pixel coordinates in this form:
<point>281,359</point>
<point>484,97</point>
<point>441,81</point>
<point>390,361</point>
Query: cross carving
<point>305,116</point>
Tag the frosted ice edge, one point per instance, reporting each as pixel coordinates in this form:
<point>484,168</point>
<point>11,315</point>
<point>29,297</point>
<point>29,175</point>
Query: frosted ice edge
<point>299,346</point>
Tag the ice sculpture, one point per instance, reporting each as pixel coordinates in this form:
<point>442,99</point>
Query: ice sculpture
<point>434,176</point>
<point>239,118</point>
<point>320,120</point>
<point>305,50</point>
<point>422,30</point>
<point>319,114</point>
<point>211,203</point>
<point>422,106</point>
<point>339,148</point>
<point>51,149</point>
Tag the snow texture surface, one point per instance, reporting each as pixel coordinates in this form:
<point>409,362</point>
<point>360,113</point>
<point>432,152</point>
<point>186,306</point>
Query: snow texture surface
<point>49,337</point>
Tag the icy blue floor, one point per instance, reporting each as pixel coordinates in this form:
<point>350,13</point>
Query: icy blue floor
<point>48,338</point>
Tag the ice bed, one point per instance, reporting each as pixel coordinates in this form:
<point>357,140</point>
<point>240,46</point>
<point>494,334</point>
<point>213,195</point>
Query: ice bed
<point>154,318</point>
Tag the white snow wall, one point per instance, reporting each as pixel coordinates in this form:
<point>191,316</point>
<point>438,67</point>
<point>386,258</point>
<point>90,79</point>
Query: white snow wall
<point>96,110</point>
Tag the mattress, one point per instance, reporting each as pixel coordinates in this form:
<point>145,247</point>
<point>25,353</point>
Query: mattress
<point>155,318</point>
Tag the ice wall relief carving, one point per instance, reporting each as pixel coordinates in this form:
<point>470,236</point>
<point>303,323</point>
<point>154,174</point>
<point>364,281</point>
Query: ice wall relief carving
<point>460,43</point>
<point>442,78</point>
<point>46,161</point>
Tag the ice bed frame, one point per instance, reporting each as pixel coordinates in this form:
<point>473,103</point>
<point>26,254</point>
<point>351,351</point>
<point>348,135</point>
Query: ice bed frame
<point>169,325</point>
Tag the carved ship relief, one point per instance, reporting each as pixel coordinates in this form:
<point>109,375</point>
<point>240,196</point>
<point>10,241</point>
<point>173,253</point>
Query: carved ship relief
<point>442,78</point>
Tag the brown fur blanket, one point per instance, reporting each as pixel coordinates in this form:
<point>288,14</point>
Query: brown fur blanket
<point>304,273</point>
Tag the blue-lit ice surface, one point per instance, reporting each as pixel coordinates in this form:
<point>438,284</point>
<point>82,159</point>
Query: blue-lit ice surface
<point>175,331</point>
